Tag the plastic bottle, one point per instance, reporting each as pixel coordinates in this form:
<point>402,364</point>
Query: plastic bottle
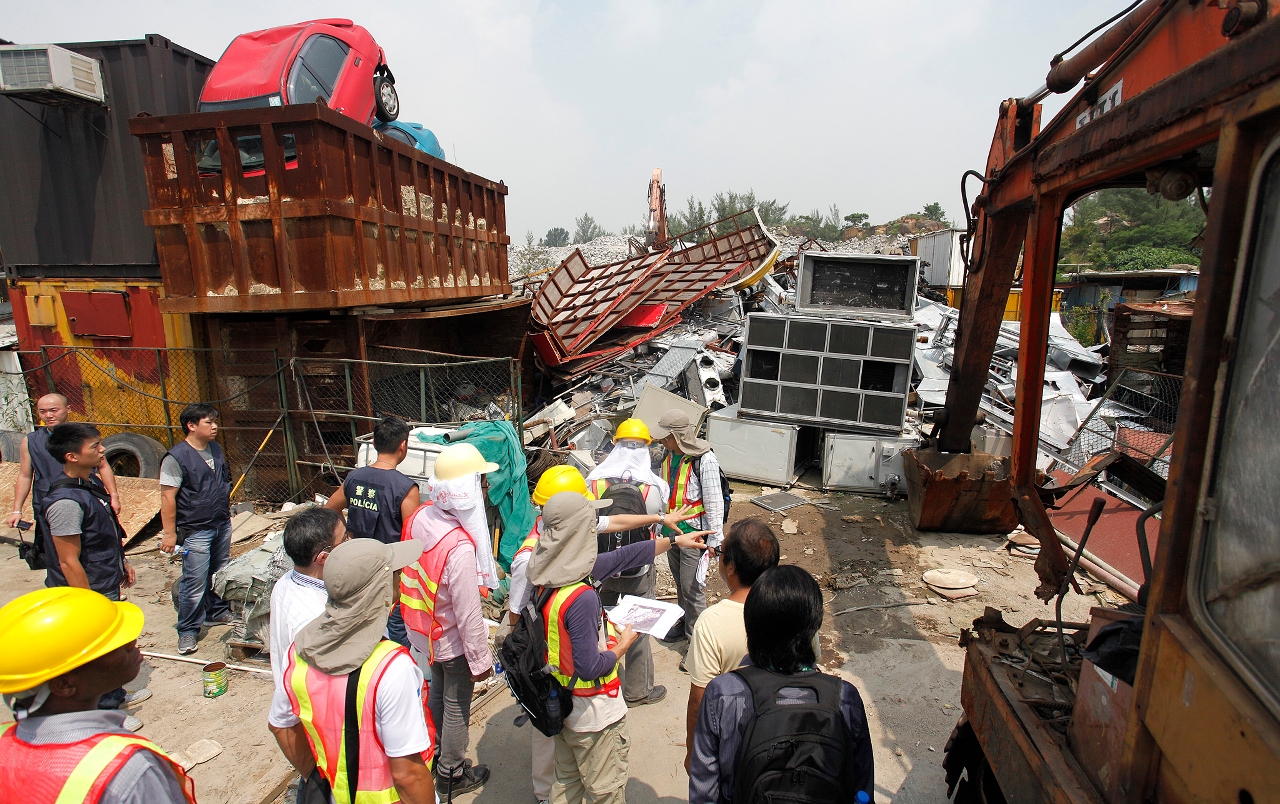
<point>863,798</point>
<point>553,705</point>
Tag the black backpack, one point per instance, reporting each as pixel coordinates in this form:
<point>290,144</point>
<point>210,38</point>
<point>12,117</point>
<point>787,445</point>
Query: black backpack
<point>627,498</point>
<point>726,491</point>
<point>796,752</point>
<point>544,699</point>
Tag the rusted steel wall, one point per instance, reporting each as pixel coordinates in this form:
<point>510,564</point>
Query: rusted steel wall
<point>331,215</point>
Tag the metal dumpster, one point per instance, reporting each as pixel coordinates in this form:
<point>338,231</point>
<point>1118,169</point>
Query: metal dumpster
<point>300,207</point>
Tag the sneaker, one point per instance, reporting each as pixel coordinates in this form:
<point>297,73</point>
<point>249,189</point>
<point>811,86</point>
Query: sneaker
<point>224,618</point>
<point>132,723</point>
<point>187,644</point>
<point>683,669</point>
<point>466,779</point>
<point>136,697</point>
<point>656,694</point>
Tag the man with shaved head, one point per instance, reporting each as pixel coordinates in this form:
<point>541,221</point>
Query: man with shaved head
<point>38,468</point>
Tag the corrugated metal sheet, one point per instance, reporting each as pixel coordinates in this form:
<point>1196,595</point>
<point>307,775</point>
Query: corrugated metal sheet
<point>72,188</point>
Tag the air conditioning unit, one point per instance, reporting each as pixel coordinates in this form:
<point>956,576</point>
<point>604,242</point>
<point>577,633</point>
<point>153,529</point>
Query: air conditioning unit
<point>50,74</point>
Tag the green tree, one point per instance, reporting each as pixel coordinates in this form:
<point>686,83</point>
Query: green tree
<point>557,236</point>
<point>935,212</point>
<point>586,229</point>
<point>1128,229</point>
<point>691,221</point>
<point>818,225</point>
<point>856,219</point>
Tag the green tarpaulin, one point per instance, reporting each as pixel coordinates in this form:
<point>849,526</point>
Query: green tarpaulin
<point>508,487</point>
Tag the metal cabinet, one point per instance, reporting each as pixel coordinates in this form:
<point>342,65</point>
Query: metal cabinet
<point>765,452</point>
<point>866,463</point>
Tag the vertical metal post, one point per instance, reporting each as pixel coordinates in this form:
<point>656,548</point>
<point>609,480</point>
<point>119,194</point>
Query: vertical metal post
<point>517,398</point>
<point>431,389</point>
<point>164,403</point>
<point>351,409</point>
<point>422,393</point>
<point>290,439</point>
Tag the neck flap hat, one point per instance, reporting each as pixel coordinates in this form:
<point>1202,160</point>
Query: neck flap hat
<point>359,578</point>
<point>566,551</point>
<point>676,423</point>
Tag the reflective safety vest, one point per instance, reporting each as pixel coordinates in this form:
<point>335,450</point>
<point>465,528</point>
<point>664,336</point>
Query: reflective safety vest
<point>530,541</point>
<point>319,701</point>
<point>70,773</point>
<point>683,470</point>
<point>560,649</point>
<point>420,581</point>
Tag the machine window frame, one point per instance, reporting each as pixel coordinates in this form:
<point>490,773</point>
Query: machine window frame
<point>1223,644</point>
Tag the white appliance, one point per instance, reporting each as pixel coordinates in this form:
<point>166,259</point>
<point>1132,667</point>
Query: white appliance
<point>764,452</point>
<point>418,462</point>
<point>50,74</point>
<point>866,463</point>
<point>874,285</point>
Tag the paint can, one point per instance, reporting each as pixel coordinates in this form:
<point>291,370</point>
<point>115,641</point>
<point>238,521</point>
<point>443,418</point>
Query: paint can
<point>215,679</point>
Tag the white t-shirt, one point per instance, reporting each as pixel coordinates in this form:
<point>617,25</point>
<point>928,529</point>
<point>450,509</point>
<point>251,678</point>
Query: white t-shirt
<point>296,600</point>
<point>398,718</point>
<point>718,644</point>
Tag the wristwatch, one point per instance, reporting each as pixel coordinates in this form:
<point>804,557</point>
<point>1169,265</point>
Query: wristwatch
<point>671,539</point>
<point>662,520</point>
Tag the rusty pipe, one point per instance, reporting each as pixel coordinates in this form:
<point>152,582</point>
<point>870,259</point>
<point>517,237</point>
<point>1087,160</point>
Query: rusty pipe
<point>551,429</point>
<point>1064,75</point>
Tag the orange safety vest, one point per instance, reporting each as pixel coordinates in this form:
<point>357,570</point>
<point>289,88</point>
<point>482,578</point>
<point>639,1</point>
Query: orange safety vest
<point>560,649</point>
<point>680,487</point>
<point>71,773</point>
<point>420,581</point>
<point>319,701</point>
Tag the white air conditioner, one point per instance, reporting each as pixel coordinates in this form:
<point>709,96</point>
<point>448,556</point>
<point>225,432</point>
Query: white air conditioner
<point>50,74</point>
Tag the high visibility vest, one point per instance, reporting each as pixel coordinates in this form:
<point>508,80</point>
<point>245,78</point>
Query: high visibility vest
<point>420,581</point>
<point>680,487</point>
<point>530,541</point>
<point>71,773</point>
<point>560,649</point>
<point>597,488</point>
<point>319,701</point>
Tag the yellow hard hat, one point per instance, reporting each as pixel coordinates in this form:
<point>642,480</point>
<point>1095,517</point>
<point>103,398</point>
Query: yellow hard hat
<point>457,460</point>
<point>558,479</point>
<point>48,632</point>
<point>632,429</point>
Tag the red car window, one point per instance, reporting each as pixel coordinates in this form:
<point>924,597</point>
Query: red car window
<point>316,70</point>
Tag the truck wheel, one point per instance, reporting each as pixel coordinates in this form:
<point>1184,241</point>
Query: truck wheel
<point>133,455</point>
<point>385,99</point>
<point>11,445</point>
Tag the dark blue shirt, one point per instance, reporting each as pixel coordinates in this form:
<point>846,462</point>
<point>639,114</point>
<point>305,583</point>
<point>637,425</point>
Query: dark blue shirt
<point>727,709</point>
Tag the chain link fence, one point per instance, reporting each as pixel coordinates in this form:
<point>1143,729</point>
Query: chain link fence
<point>284,424</point>
<point>1136,416</point>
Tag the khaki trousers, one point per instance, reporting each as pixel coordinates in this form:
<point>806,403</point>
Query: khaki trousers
<point>544,765</point>
<point>591,767</point>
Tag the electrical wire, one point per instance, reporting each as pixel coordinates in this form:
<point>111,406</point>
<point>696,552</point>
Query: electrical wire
<point>1081,40</point>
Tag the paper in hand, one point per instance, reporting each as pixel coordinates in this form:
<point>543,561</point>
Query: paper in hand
<point>655,617</point>
<point>704,564</point>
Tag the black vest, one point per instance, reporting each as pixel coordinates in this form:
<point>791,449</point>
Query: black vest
<point>373,503</point>
<point>204,498</point>
<point>101,553</point>
<point>44,467</point>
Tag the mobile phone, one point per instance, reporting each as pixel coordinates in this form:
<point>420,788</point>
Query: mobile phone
<point>25,525</point>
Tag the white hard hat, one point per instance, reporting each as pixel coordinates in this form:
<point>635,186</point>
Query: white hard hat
<point>457,460</point>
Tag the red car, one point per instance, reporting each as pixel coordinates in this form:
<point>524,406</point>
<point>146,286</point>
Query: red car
<point>333,60</point>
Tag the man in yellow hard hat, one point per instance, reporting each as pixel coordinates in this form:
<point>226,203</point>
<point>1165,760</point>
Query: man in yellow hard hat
<point>625,478</point>
<point>440,597</point>
<point>552,482</point>
<point>61,648</point>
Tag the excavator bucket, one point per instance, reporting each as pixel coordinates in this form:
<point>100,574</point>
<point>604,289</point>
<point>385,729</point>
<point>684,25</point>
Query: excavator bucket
<point>959,492</point>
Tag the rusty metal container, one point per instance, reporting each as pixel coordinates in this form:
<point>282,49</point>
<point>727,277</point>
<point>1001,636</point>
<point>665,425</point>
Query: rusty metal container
<point>960,492</point>
<point>300,207</point>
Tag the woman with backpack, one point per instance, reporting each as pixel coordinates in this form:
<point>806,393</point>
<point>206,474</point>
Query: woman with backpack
<point>781,698</point>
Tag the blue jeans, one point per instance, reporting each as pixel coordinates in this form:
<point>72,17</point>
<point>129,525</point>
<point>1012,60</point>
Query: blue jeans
<point>113,699</point>
<point>204,552</point>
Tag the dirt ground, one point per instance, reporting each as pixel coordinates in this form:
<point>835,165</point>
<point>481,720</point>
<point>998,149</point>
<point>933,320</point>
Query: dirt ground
<point>903,660</point>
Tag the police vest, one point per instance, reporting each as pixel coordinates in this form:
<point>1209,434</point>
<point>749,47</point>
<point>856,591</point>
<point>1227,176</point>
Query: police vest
<point>204,498</point>
<point>319,701</point>
<point>44,468</point>
<point>559,648</point>
<point>63,773</point>
<point>373,503</point>
<point>101,552</point>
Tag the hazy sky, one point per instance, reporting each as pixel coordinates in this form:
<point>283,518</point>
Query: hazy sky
<point>875,106</point>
